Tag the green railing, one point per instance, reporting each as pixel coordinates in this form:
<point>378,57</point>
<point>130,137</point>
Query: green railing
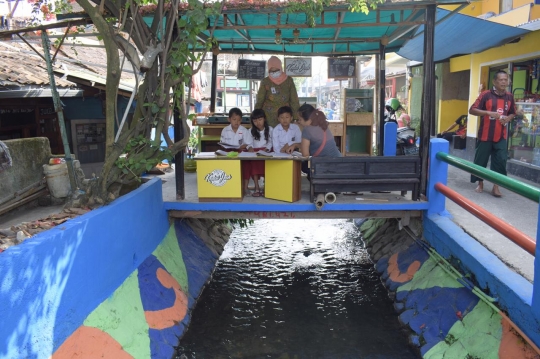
<point>513,185</point>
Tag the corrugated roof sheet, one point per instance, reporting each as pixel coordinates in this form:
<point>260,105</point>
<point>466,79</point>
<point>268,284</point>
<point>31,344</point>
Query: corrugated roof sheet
<point>531,25</point>
<point>459,34</point>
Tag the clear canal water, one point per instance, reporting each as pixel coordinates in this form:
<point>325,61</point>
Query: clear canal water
<point>295,289</point>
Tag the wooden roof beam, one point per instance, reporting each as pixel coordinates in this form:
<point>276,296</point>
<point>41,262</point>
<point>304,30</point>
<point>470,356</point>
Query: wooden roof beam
<point>340,19</point>
<point>402,30</point>
<point>321,26</point>
<point>246,36</point>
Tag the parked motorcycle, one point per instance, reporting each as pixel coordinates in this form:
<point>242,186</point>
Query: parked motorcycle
<point>405,142</point>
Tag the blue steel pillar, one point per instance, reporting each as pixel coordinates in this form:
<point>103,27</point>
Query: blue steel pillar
<point>390,137</point>
<point>438,172</point>
<point>535,305</point>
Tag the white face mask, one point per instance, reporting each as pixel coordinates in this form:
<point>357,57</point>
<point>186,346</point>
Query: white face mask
<point>275,75</point>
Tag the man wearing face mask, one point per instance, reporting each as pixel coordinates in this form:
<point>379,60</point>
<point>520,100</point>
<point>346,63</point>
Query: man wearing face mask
<point>275,91</point>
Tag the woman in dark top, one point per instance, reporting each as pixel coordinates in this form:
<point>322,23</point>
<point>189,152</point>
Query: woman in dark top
<point>317,139</point>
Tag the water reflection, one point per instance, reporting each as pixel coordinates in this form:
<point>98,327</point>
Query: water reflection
<point>295,289</point>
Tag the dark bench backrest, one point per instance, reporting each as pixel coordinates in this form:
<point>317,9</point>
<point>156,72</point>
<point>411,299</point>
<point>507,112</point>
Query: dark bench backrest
<point>364,167</point>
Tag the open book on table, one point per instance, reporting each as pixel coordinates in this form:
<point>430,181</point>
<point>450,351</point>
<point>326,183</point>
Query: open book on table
<point>205,154</point>
<point>247,154</point>
<point>228,146</point>
<point>279,154</point>
<point>225,153</point>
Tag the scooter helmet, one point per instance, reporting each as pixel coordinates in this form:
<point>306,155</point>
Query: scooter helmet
<point>393,105</point>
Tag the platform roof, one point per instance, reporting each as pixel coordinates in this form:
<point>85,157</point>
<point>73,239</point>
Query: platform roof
<point>251,29</point>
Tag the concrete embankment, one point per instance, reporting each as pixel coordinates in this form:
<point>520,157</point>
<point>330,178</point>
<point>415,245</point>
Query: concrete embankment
<point>117,282</point>
<point>449,316</point>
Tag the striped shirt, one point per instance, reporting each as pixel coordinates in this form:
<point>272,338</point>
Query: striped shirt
<point>491,129</point>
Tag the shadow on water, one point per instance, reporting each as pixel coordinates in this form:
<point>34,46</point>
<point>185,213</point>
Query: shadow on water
<point>295,289</point>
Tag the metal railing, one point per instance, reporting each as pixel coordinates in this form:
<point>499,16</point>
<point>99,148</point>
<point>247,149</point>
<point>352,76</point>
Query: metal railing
<point>510,232</point>
<point>513,185</point>
<point>523,189</point>
<point>438,192</point>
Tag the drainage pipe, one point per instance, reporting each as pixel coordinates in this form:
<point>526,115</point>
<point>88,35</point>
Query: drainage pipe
<point>319,201</point>
<point>330,197</point>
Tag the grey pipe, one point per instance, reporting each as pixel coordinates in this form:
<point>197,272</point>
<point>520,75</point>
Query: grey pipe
<point>319,201</point>
<point>330,197</point>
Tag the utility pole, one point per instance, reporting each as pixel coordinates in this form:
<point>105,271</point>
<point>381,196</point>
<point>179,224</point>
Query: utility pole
<point>59,111</point>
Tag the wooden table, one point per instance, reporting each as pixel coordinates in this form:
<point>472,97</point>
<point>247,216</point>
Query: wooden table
<point>219,178</point>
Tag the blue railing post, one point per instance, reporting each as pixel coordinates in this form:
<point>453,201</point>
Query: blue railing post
<point>535,305</point>
<point>437,172</point>
<point>390,139</point>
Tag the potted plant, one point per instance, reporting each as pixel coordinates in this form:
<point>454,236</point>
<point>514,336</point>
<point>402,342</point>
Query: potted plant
<point>190,165</point>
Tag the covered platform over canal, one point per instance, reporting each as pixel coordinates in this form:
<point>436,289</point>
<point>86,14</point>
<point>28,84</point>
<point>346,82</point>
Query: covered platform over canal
<point>337,32</point>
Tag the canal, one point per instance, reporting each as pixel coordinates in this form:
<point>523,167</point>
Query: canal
<point>295,289</point>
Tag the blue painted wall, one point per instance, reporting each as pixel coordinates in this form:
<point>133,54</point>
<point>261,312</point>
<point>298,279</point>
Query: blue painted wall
<point>513,291</point>
<point>90,108</point>
<point>51,282</point>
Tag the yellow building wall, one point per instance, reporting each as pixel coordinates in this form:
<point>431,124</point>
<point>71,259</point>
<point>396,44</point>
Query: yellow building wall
<point>490,5</point>
<point>449,111</point>
<point>527,48</point>
<point>482,7</point>
<point>471,10</point>
<point>513,17</point>
<point>518,3</point>
<point>460,63</point>
<point>535,12</point>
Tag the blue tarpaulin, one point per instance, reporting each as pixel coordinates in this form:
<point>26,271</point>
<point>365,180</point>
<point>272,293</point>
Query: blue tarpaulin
<point>457,34</point>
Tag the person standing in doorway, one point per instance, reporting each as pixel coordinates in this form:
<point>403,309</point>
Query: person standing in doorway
<point>276,90</point>
<point>496,108</point>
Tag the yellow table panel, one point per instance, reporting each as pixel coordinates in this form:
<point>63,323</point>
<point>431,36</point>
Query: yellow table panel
<point>282,180</point>
<point>219,180</point>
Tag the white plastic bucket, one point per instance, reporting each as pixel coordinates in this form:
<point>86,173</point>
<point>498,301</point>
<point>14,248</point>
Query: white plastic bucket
<point>57,180</point>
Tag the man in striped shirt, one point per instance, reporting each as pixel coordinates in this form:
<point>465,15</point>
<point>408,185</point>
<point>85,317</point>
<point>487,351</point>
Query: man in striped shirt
<point>496,108</point>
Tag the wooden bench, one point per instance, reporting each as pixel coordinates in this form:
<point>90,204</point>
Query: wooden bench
<point>365,173</point>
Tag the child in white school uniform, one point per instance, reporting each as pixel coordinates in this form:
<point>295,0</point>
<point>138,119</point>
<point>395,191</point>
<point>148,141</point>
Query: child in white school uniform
<point>259,139</point>
<point>286,136</point>
<point>235,134</point>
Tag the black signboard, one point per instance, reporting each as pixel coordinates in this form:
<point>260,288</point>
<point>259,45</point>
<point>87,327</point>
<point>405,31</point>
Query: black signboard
<point>251,69</point>
<point>341,67</point>
<point>17,116</point>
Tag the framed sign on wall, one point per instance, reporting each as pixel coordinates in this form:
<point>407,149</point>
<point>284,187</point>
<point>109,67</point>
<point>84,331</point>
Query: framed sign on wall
<point>298,66</point>
<point>341,67</point>
<point>251,69</point>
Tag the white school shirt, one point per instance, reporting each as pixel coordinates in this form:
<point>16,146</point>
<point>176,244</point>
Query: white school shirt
<point>229,137</point>
<point>280,137</point>
<point>251,142</point>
